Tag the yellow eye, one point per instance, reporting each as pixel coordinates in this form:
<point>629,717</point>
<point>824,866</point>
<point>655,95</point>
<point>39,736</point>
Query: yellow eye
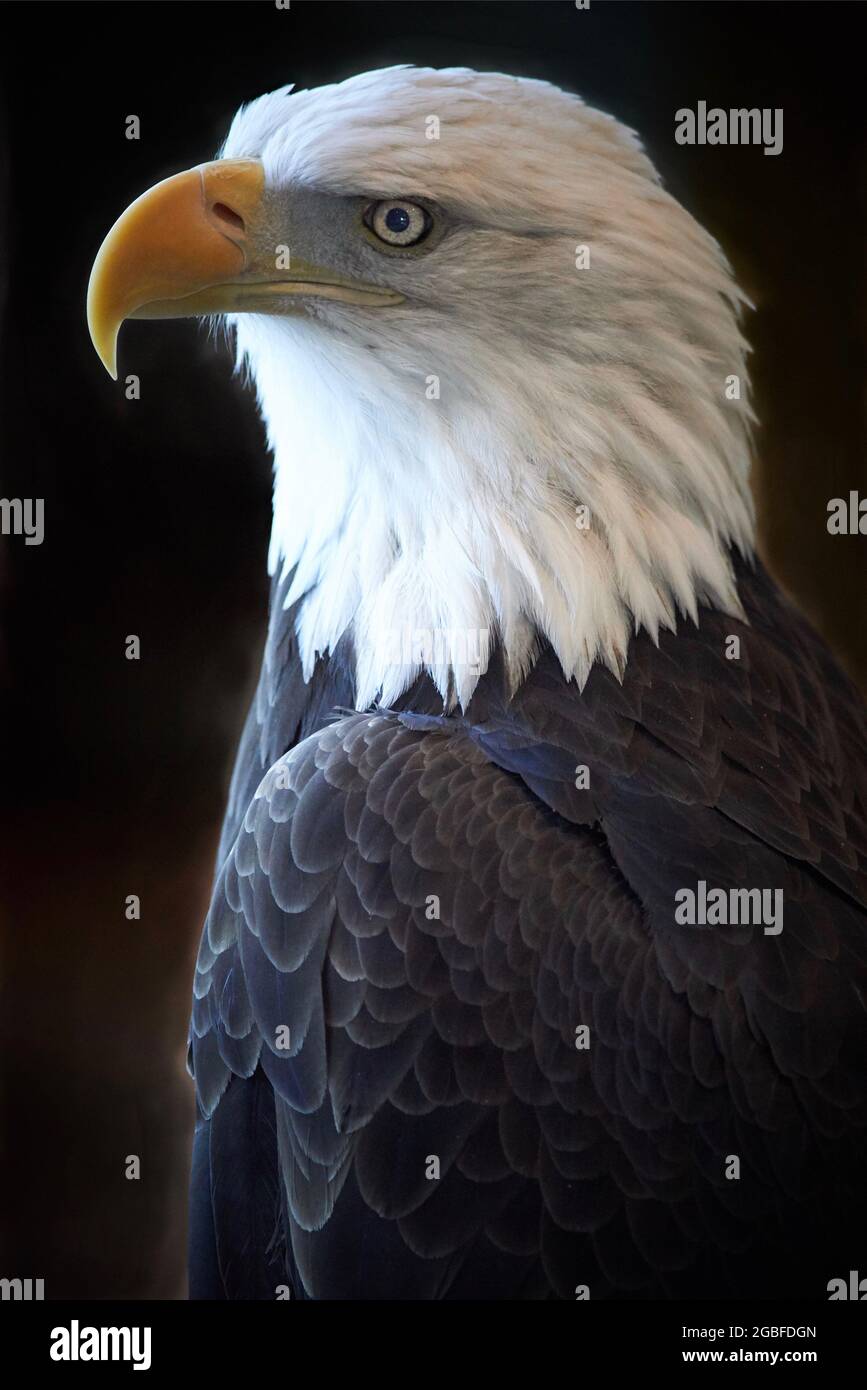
<point>397,222</point>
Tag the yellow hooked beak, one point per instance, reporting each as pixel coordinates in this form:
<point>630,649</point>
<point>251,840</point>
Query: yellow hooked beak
<point>193,245</point>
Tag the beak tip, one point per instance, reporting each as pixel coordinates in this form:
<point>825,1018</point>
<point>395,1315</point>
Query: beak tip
<point>104,340</point>
<point>107,354</point>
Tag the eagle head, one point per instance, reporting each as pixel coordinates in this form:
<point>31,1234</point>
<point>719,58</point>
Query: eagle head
<point>500,367</point>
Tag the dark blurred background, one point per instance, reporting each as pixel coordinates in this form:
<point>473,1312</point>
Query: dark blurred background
<point>157,510</point>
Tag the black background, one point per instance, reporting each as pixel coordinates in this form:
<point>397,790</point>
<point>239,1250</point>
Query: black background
<point>157,511</point>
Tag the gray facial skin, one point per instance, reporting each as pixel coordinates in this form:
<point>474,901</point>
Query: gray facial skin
<point>325,229</point>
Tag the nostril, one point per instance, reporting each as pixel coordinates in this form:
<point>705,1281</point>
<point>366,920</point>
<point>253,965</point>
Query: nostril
<point>228,217</point>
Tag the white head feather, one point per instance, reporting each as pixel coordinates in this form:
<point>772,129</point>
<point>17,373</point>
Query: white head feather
<point>559,388</point>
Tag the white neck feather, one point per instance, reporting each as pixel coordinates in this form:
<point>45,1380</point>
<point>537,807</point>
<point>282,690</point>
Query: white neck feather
<point>432,536</point>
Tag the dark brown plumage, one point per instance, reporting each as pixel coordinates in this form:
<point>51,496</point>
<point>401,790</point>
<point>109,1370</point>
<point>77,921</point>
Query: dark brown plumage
<point>414,1035</point>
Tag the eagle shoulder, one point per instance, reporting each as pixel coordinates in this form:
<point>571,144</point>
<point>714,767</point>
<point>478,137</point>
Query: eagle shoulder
<point>479,1054</point>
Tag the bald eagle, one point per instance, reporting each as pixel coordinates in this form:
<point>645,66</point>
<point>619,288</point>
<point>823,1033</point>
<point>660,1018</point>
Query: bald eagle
<point>535,962</point>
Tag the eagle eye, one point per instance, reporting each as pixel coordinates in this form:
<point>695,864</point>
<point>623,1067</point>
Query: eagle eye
<point>397,222</point>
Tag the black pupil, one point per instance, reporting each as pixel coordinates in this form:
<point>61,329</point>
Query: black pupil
<point>397,219</point>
